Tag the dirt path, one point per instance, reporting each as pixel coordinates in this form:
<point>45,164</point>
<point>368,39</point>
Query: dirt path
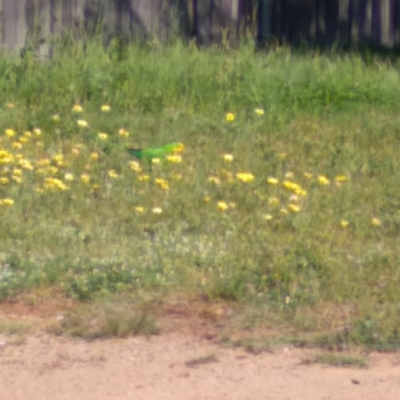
<point>53,368</point>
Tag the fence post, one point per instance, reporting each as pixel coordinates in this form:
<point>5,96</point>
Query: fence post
<point>263,22</point>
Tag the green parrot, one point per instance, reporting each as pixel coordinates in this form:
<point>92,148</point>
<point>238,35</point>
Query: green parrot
<point>156,152</point>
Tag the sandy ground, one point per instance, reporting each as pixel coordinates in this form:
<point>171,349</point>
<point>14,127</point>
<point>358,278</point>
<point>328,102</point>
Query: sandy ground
<point>43,366</point>
<point>46,367</point>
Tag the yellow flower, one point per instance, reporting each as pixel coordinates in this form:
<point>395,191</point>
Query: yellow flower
<point>17,172</point>
<point>17,145</point>
<point>105,108</point>
<point>294,208</point>
<point>135,166</point>
<point>232,204</point>
<point>82,123</point>
<point>58,157</point>
<point>230,117</point>
<point>341,178</point>
<point>143,177</point>
<point>10,132</point>
<point>323,180</point>
<point>308,175</point>
<point>85,178</point>
<point>283,210</point>
<point>43,162</point>
<point>7,202</point>
<point>77,108</point>
<point>17,178</point>
<point>207,199</point>
<point>123,133</point>
<point>376,221</point>
<point>259,112</point>
<point>175,158</point>
<point>222,206</point>
<point>55,118</point>
<point>139,209</point>
<point>156,210</point>
<point>289,175</point>
<point>344,223</point>
<point>214,179</point>
<point>27,133</point>
<point>245,177</point>
<point>10,105</point>
<point>155,161</point>
<point>103,136</point>
<point>112,174</point>
<point>162,183</point>
<point>228,157</point>
<point>273,201</point>
<point>69,177</point>
<point>94,156</point>
<point>268,217</point>
<point>4,180</point>
<point>272,181</point>
<point>23,140</point>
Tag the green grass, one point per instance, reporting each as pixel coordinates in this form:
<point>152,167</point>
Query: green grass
<point>326,116</point>
<point>341,360</point>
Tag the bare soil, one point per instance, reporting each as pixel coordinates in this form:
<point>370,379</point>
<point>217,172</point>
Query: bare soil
<point>181,363</point>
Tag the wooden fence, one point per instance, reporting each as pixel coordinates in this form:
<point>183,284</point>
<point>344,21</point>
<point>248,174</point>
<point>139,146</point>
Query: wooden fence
<point>210,21</point>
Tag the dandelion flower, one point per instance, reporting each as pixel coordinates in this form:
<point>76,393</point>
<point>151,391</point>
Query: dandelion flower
<point>222,206</point>
<point>135,166</point>
<point>230,117</point>
<point>259,111</point>
<point>7,202</point>
<point>283,210</point>
<point>228,157</point>
<point>289,175</point>
<point>139,209</point>
<point>55,118</point>
<point>207,199</point>
<point>174,158</point>
<point>112,174</point>
<point>214,179</point>
<point>77,108</point>
<point>268,217</point>
<point>245,177</point>
<point>94,156</point>
<point>294,208</point>
<point>4,180</point>
<point>69,177</point>
<point>10,132</point>
<point>323,180</point>
<point>156,161</point>
<point>82,123</point>
<point>17,145</point>
<point>376,221</point>
<point>273,201</point>
<point>17,178</point>
<point>156,210</point>
<point>308,175</point>
<point>162,183</point>
<point>105,108</point>
<point>123,133</point>
<point>103,136</point>
<point>341,178</point>
<point>85,178</point>
<point>23,140</point>
<point>272,181</point>
<point>17,172</point>
<point>143,177</point>
<point>344,223</point>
